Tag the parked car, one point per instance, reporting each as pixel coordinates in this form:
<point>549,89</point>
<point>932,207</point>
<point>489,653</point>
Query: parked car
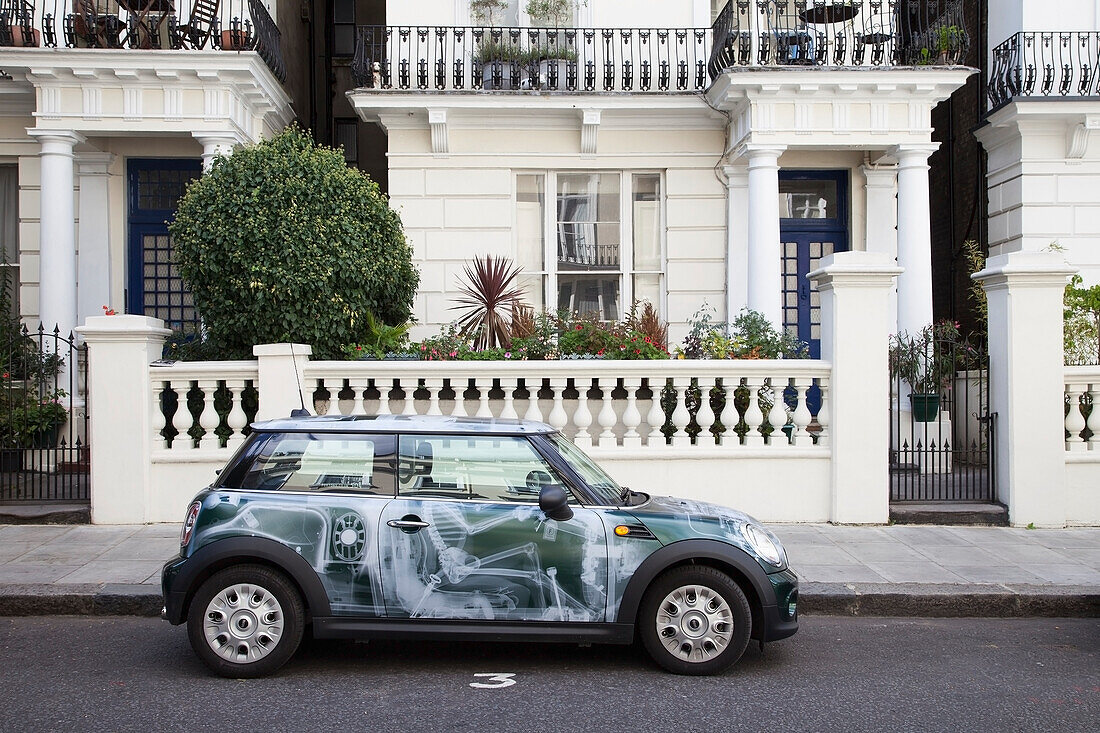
<point>461,528</point>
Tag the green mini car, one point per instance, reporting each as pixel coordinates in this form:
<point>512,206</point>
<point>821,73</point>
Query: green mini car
<point>461,528</point>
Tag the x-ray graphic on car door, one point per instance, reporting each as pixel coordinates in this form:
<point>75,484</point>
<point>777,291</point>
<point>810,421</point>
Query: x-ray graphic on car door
<point>491,561</point>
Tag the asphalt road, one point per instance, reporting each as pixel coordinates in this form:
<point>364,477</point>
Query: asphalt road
<point>836,674</point>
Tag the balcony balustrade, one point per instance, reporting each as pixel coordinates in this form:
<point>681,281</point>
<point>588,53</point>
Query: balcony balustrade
<point>227,25</point>
<point>1046,64</point>
<point>747,33</point>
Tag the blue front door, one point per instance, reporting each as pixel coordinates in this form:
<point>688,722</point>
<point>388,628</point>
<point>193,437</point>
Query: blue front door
<point>813,225</point>
<point>153,285</point>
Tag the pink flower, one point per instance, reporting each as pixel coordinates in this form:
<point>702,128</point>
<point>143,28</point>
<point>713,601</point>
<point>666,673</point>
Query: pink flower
<point>507,354</point>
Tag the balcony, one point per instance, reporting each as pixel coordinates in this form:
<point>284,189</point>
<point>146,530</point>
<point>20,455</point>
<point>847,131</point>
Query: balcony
<point>226,25</point>
<point>1046,65</point>
<point>746,34</point>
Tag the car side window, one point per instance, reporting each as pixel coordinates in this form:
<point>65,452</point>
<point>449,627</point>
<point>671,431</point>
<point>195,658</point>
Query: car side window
<point>491,468</point>
<point>344,462</point>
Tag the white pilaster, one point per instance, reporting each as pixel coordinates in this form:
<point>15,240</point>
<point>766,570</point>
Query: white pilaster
<point>215,144</point>
<point>737,237</point>
<point>881,190</point>
<point>57,239</point>
<point>1027,383</point>
<point>914,237</point>
<point>855,331</point>
<point>765,273</point>
<point>93,235</point>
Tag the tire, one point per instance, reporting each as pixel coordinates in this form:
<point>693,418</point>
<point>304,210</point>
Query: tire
<point>695,620</point>
<point>245,621</point>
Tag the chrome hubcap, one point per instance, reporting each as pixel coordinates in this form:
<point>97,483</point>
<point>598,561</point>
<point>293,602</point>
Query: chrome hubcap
<point>694,623</point>
<point>243,623</point>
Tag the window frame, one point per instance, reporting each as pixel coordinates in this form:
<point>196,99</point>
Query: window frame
<point>549,271</point>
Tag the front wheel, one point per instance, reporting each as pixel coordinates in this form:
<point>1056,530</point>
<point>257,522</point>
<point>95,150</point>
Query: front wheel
<point>695,620</point>
<point>245,621</point>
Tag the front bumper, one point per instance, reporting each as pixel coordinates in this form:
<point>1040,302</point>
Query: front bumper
<point>781,619</point>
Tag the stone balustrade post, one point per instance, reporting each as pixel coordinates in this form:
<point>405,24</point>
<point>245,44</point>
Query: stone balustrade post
<point>121,408</point>
<point>1027,384</point>
<point>282,385</point>
<point>856,289</point>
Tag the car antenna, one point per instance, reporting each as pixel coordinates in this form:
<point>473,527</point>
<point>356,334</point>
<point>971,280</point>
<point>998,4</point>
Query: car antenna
<point>303,412</point>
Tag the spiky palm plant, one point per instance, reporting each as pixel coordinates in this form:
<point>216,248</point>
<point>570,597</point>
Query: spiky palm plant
<point>489,295</point>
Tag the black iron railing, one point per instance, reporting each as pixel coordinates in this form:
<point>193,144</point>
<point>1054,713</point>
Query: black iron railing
<point>1047,64</point>
<point>228,25</point>
<point>556,59</point>
<point>747,33</point>
<point>838,33</point>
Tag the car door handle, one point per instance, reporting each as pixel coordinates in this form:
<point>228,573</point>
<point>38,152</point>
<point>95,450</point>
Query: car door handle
<point>407,524</point>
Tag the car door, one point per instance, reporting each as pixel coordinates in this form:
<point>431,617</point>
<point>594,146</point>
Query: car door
<point>465,538</point>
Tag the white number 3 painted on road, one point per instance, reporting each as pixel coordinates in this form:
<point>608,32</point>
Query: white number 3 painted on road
<point>497,680</point>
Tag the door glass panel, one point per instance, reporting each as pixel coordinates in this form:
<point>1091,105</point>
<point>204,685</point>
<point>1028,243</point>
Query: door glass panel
<point>323,462</point>
<point>813,199</point>
<point>588,294</point>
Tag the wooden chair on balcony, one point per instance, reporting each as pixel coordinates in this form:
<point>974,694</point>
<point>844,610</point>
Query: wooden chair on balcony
<point>200,26</point>
<point>93,25</point>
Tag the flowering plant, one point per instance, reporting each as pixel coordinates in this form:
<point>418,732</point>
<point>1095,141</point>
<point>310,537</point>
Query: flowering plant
<point>926,360</point>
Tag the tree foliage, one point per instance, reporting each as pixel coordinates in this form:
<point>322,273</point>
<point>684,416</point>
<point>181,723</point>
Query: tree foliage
<point>281,241</point>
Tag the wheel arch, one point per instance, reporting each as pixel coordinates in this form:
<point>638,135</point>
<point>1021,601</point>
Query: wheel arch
<point>221,554</point>
<point>736,563</point>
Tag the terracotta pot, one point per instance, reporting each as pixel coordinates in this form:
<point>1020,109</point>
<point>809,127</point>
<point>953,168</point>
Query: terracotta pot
<point>236,40</point>
<point>18,36</point>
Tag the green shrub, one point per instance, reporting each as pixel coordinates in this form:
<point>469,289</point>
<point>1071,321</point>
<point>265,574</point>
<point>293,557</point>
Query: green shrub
<point>281,241</point>
<point>749,336</point>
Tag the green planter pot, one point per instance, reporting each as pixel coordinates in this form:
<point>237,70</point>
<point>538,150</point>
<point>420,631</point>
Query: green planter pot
<point>11,460</point>
<point>926,407</point>
<point>47,438</point>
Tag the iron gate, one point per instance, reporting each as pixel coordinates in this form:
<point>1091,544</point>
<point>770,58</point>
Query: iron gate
<point>941,445</point>
<point>43,418</point>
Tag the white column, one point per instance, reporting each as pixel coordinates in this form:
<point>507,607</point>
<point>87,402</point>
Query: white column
<point>57,227</point>
<point>122,416</point>
<point>765,273</point>
<point>881,190</point>
<point>93,235</point>
<point>914,237</point>
<point>855,332</point>
<point>737,238</point>
<point>213,145</point>
<point>282,384</point>
<point>1027,383</point>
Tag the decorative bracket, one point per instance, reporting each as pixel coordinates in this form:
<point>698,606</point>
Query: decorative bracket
<point>1079,140</point>
<point>437,120</point>
<point>590,123</point>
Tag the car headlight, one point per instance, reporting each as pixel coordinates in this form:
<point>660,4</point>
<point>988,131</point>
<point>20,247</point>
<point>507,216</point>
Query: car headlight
<point>763,544</point>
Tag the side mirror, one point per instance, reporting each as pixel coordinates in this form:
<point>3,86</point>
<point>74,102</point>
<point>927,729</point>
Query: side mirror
<point>554,501</point>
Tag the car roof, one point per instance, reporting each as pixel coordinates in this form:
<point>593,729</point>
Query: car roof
<point>403,424</point>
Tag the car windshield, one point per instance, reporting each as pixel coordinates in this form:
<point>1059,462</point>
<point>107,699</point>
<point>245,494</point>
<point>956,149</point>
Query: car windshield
<point>602,485</point>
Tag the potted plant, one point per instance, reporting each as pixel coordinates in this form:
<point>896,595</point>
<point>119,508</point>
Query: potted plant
<point>553,13</point>
<point>943,45</point>
<point>501,64</point>
<point>926,362</point>
<point>37,421</point>
<point>483,11</point>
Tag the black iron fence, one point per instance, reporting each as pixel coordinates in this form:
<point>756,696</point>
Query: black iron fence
<point>43,418</point>
<point>1048,64</point>
<point>562,59</point>
<point>228,25</point>
<point>839,33</point>
<point>941,444</point>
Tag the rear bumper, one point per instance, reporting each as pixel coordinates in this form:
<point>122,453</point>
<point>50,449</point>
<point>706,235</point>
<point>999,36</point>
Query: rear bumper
<point>174,599</point>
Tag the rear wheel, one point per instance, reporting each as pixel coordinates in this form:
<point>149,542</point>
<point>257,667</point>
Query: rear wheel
<point>245,621</point>
<point>695,620</point>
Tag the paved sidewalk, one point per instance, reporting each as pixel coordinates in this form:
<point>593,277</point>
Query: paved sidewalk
<point>895,570</point>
